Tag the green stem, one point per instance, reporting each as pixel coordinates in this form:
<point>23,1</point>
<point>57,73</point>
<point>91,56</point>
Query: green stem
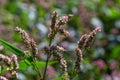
<point>32,61</point>
<point>48,57</point>
<point>36,67</point>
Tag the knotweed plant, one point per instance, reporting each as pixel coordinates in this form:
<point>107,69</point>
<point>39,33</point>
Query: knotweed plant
<point>12,65</point>
<point>54,51</point>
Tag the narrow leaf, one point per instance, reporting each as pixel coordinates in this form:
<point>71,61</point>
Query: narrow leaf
<point>24,65</point>
<point>42,63</point>
<point>12,48</point>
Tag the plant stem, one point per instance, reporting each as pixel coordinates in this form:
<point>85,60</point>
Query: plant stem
<point>48,57</point>
<point>32,61</point>
<point>37,69</point>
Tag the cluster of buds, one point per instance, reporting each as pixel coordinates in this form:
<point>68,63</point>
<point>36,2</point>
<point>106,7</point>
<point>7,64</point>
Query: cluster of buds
<point>79,59</point>
<point>15,62</point>
<point>57,26</point>
<point>63,64</point>
<point>57,55</point>
<point>86,39</point>
<point>90,37</point>
<point>29,42</point>
<point>84,43</point>
<point>5,59</point>
<point>57,23</point>
<point>57,48</point>
<point>64,32</point>
<point>12,64</point>
<point>3,78</point>
<point>47,49</point>
<point>25,36</point>
<point>55,51</point>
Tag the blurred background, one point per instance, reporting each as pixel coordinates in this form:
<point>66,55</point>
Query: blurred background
<point>100,61</point>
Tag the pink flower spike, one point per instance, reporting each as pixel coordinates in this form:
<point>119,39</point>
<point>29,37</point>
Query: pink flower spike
<point>15,62</point>
<point>98,29</point>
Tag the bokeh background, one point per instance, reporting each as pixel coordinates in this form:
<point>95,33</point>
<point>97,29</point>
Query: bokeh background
<point>100,61</point>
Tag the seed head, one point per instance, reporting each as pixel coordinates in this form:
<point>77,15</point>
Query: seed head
<point>15,62</point>
<point>79,59</point>
<point>30,43</point>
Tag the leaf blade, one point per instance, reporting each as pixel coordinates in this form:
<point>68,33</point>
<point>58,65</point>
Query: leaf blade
<point>12,48</point>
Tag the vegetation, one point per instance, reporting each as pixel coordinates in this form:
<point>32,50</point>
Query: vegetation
<point>63,46</point>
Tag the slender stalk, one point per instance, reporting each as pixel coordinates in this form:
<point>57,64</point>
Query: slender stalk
<point>37,69</point>
<point>48,57</point>
<point>33,64</point>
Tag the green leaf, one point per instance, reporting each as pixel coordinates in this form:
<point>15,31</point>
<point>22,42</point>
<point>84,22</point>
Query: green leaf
<point>24,65</point>
<point>3,70</point>
<point>42,63</point>
<point>12,48</point>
